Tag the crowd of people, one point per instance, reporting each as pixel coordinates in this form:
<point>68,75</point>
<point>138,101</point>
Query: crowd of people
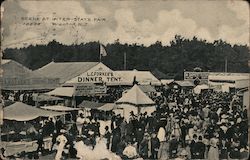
<point>211,125</point>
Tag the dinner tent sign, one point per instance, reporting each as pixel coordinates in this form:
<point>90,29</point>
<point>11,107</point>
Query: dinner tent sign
<point>98,74</point>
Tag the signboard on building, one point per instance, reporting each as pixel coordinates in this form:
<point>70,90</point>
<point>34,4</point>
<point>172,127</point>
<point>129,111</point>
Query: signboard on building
<point>84,90</point>
<point>98,74</point>
<point>197,77</point>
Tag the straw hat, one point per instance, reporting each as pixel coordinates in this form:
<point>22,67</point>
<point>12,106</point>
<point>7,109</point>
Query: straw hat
<point>219,123</point>
<point>238,120</point>
<point>91,132</point>
<point>183,153</point>
<point>63,131</point>
<point>223,120</point>
<point>224,116</point>
<point>224,128</point>
<point>213,141</point>
<point>187,138</point>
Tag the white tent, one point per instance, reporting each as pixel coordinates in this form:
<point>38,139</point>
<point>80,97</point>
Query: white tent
<point>23,112</point>
<point>199,88</point>
<point>62,91</point>
<point>135,100</point>
<point>142,77</point>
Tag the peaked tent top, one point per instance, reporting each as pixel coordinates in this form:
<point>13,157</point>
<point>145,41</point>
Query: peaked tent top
<point>135,96</point>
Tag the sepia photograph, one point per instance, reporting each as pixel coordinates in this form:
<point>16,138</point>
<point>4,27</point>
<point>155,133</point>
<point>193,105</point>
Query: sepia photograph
<point>124,80</point>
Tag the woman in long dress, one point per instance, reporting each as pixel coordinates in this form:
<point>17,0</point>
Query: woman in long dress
<point>62,141</point>
<point>177,130</point>
<point>213,153</point>
<point>83,151</point>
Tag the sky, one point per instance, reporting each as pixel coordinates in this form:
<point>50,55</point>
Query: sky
<point>138,21</point>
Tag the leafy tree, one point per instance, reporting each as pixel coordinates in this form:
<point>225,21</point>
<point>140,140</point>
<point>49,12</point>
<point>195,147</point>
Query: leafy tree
<point>165,61</point>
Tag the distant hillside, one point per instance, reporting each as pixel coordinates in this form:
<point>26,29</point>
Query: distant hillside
<point>165,61</point>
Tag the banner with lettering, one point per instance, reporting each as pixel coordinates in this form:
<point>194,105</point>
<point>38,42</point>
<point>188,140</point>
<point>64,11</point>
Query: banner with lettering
<point>83,90</point>
<point>98,74</point>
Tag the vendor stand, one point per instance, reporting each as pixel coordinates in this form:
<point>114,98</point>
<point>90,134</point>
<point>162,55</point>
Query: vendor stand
<point>26,116</point>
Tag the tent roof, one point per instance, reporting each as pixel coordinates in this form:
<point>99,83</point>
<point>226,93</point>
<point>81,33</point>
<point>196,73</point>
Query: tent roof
<point>184,83</point>
<point>198,88</point>
<point>90,104</point>
<point>202,86</point>
<point>143,77</point>
<point>135,96</point>
<point>4,61</point>
<point>158,74</point>
<point>229,77</point>
<point>147,88</point>
<point>62,91</point>
<point>60,108</point>
<point>96,105</point>
<point>166,81</point>
<point>65,70</point>
<point>13,69</point>
<point>45,97</point>
<point>107,107</point>
<point>18,77</point>
<point>23,112</point>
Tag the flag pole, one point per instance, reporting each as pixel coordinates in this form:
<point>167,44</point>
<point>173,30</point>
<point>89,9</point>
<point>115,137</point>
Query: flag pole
<point>100,55</point>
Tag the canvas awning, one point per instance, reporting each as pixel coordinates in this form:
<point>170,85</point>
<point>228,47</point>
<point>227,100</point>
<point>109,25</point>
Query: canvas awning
<point>199,88</point>
<point>62,91</point>
<point>59,108</point>
<point>107,107</point>
<point>45,97</point>
<point>184,83</point>
<point>90,105</point>
<point>96,105</point>
<point>147,88</point>
<point>136,97</point>
<point>23,112</point>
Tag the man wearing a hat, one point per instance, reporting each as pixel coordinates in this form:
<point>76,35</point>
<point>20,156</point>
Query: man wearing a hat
<point>199,149</point>
<point>144,146</point>
<point>107,135</point>
<point>183,155</point>
<point>173,146</point>
<point>155,144</point>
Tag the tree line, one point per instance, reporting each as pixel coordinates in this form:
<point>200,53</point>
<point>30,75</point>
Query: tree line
<point>163,61</point>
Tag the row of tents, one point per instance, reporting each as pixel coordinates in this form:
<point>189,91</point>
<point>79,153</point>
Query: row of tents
<point>133,100</point>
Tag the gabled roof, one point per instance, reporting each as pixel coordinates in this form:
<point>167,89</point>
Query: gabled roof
<point>18,77</point>
<point>184,83</point>
<point>65,70</point>
<point>136,97</point>
<point>14,69</point>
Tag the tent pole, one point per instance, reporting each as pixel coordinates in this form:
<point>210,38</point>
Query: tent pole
<point>0,134</point>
